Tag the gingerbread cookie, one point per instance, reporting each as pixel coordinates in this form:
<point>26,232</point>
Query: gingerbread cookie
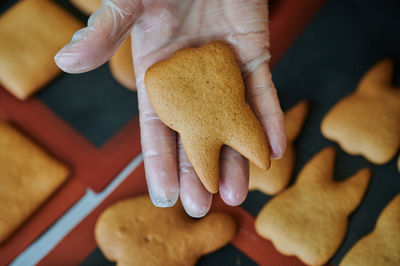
<point>87,6</point>
<point>199,92</point>
<point>367,122</point>
<point>28,176</point>
<point>135,232</point>
<point>310,218</point>
<point>31,33</point>
<point>381,246</point>
<point>278,176</point>
<point>121,66</point>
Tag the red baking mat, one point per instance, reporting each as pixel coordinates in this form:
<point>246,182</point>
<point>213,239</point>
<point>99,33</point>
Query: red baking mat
<point>80,242</point>
<point>90,167</point>
<point>69,193</point>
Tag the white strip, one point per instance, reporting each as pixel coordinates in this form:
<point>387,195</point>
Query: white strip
<point>45,243</point>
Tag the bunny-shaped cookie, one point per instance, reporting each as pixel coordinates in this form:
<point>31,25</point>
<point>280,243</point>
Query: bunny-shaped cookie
<point>367,122</point>
<point>309,219</point>
<point>381,246</point>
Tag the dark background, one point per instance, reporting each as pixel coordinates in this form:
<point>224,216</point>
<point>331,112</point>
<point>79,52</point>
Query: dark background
<point>324,64</point>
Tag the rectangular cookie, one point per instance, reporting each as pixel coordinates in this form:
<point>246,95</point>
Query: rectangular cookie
<point>28,176</point>
<point>31,33</point>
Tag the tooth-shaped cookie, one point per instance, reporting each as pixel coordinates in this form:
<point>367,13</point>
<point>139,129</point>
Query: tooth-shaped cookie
<point>199,92</point>
<point>278,176</point>
<point>367,122</point>
<point>135,232</point>
<point>310,218</point>
<point>381,246</point>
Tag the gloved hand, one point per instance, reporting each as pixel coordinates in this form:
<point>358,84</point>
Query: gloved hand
<point>158,29</point>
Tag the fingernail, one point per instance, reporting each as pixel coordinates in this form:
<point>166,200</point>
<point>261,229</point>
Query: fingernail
<point>69,59</point>
<point>198,213</point>
<point>60,56</point>
<point>196,209</point>
<point>64,59</point>
<point>163,199</point>
<point>232,197</point>
<point>278,147</point>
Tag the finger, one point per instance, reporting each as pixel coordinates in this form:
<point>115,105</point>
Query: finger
<point>94,45</point>
<point>158,141</point>
<point>196,200</point>
<point>262,97</point>
<point>234,177</point>
<point>159,154</point>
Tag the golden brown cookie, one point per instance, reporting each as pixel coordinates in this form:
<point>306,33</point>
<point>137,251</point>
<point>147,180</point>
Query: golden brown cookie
<point>121,66</point>
<point>87,6</point>
<point>199,92</point>
<point>135,232</point>
<point>367,122</point>
<point>278,176</point>
<point>28,176</point>
<point>31,33</point>
<point>309,219</point>
<point>381,246</point>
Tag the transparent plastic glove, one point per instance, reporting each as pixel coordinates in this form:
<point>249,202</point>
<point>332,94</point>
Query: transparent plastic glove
<point>159,28</point>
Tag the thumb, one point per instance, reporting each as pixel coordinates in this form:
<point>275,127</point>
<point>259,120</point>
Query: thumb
<point>94,45</point>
